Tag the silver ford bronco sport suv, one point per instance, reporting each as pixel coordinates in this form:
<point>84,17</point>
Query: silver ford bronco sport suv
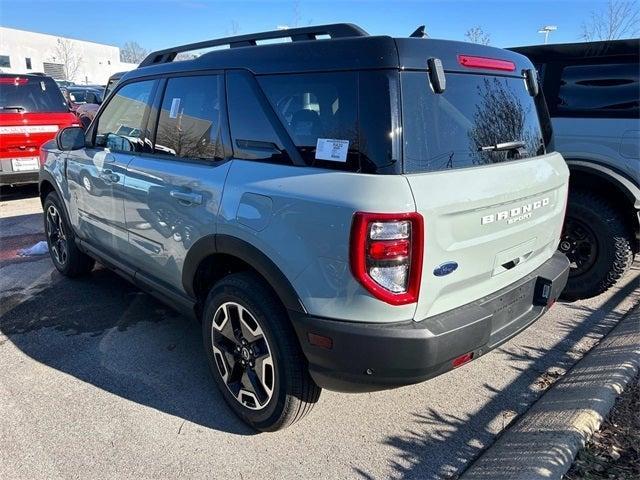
<point>353,213</point>
<point>593,93</point>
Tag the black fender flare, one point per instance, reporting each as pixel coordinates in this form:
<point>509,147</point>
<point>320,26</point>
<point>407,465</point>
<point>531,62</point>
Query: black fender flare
<point>233,246</point>
<point>625,185</point>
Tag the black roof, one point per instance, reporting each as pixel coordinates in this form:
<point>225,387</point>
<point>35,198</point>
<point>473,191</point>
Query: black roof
<point>565,51</point>
<point>307,50</point>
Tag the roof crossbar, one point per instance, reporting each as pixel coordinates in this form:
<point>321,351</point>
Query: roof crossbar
<point>336,30</point>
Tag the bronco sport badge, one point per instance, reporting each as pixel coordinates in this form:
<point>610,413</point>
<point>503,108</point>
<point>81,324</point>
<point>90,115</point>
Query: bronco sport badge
<point>516,214</point>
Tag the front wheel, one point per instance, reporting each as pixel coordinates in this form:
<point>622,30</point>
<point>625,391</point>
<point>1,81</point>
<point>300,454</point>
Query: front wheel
<point>598,243</point>
<point>66,256</point>
<point>254,354</point>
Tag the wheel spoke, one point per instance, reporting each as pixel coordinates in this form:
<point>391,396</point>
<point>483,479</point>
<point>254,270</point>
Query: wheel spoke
<point>242,355</point>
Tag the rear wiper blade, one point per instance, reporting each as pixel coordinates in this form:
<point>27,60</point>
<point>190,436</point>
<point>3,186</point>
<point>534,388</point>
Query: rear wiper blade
<point>12,108</point>
<point>501,147</point>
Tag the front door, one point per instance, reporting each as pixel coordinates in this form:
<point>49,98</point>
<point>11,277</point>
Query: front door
<point>96,174</point>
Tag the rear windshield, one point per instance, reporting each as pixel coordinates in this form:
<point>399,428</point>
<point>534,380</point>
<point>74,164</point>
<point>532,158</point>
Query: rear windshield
<point>461,127</point>
<point>30,94</point>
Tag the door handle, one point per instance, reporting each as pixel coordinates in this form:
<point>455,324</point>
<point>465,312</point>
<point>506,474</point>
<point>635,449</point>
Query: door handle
<point>186,198</point>
<point>110,177</point>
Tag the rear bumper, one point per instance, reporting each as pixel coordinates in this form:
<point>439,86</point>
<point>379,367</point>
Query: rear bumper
<point>18,178</point>
<point>368,357</point>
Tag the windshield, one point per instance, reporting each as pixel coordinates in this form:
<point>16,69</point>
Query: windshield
<point>30,94</point>
<point>478,120</point>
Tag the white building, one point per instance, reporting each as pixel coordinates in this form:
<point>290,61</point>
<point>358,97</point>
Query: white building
<point>60,57</point>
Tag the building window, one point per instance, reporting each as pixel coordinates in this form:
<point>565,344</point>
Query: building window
<point>5,61</point>
<point>28,62</point>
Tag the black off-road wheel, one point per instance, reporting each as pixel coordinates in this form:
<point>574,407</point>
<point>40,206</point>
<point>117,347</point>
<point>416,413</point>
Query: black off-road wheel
<point>598,243</point>
<point>254,354</point>
<point>64,252</point>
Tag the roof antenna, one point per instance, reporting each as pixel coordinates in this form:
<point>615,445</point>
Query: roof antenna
<point>419,32</point>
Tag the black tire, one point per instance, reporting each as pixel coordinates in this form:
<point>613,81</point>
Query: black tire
<point>598,242</point>
<point>73,262</point>
<point>293,392</point>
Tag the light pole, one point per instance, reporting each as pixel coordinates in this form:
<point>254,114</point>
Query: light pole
<point>547,29</point>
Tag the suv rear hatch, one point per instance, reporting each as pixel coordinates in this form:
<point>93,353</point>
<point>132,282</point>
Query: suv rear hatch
<point>475,157</point>
<point>32,110</point>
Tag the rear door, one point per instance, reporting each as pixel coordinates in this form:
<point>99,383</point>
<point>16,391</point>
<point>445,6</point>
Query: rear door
<point>173,192</point>
<point>495,210</point>
<point>96,173</point>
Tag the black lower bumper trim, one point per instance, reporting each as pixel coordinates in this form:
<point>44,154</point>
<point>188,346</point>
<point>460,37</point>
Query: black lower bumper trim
<point>369,357</point>
<point>18,178</point>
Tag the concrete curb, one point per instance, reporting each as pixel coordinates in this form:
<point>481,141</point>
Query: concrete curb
<point>545,441</point>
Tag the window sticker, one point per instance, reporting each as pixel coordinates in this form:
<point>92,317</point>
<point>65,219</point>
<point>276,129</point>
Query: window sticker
<point>332,149</point>
<point>175,106</point>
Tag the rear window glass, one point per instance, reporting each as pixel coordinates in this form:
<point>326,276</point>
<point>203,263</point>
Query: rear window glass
<point>313,107</point>
<point>458,128</point>
<point>30,94</point>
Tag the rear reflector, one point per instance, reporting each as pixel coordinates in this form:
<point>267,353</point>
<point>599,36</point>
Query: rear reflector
<point>486,63</point>
<point>320,340</point>
<point>462,359</point>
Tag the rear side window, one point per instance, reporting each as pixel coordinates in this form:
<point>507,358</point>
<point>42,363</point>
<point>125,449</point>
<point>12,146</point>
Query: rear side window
<point>190,118</point>
<point>602,89</point>
<point>30,94</point>
<point>315,108</point>
<point>457,128</point>
<point>120,125</point>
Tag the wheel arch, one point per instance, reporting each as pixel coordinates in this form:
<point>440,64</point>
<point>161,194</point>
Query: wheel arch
<point>621,191</point>
<point>214,256</point>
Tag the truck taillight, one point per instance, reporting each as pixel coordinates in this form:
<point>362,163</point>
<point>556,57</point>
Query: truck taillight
<point>386,254</point>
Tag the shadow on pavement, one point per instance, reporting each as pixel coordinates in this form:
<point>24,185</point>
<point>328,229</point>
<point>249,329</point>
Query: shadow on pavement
<point>538,370</point>
<point>104,331</point>
<point>19,192</point>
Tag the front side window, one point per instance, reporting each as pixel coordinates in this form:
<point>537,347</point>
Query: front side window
<point>190,118</point>
<point>318,111</point>
<point>120,125</point>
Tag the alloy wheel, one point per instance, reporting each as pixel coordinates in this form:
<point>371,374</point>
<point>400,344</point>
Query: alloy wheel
<point>56,235</point>
<point>580,245</point>
<point>243,355</point>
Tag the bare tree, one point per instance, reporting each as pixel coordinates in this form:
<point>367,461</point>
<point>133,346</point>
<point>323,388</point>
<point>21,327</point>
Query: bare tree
<point>618,19</point>
<point>132,52</point>
<point>478,35</point>
<point>67,55</point>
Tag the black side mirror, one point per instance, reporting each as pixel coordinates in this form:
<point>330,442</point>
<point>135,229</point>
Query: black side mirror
<point>70,138</point>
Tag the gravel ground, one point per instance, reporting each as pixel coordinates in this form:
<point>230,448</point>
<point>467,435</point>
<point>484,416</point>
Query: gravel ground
<point>614,451</point>
<point>99,380</point>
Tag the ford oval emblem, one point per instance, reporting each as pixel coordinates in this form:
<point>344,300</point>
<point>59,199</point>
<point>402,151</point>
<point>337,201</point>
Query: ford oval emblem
<point>445,269</point>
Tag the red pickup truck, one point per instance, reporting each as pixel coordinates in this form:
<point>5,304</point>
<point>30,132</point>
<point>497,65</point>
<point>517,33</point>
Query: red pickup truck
<point>32,110</point>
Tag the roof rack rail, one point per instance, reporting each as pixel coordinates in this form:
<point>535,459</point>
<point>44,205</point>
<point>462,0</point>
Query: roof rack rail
<point>336,30</point>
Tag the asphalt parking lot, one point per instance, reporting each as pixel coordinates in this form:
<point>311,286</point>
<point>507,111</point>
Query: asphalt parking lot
<point>99,380</point>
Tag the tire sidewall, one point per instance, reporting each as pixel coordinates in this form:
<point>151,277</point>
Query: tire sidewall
<point>272,411</point>
<point>52,199</point>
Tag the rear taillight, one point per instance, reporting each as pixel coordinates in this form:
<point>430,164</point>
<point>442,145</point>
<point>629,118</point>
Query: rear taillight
<point>386,254</point>
<point>470,61</point>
